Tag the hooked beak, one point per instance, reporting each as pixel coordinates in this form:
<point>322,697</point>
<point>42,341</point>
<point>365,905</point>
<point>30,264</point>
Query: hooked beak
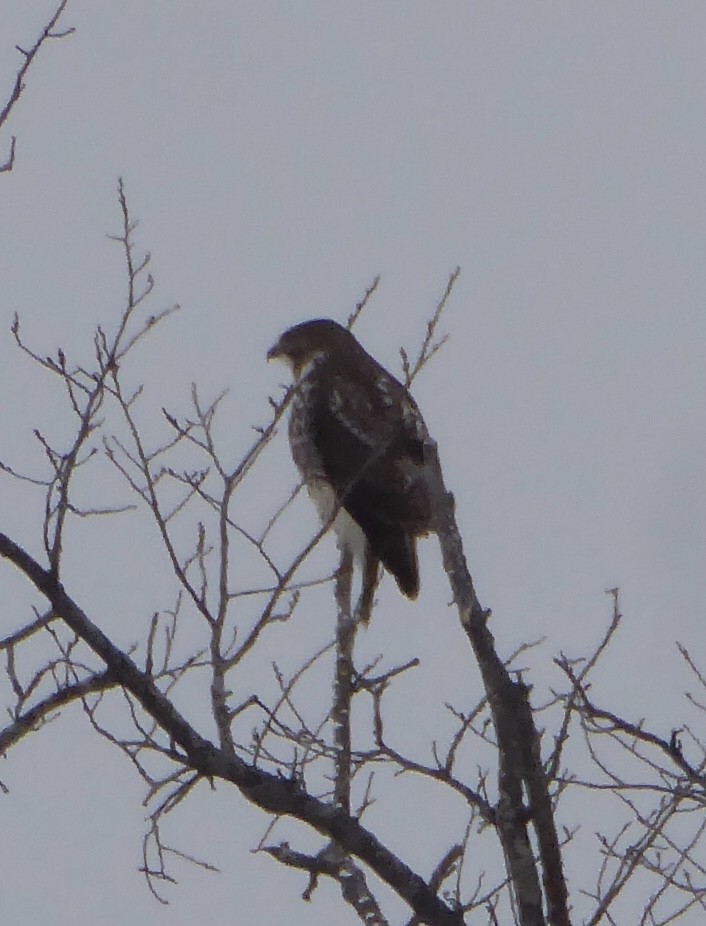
<point>277,353</point>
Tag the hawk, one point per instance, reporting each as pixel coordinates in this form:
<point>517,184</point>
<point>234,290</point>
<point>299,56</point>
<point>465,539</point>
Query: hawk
<point>359,442</point>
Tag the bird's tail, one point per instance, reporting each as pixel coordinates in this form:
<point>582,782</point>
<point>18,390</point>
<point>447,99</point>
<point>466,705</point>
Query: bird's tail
<point>398,552</point>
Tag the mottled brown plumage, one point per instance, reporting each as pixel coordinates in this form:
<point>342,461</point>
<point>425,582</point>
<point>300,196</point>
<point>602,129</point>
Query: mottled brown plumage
<point>359,441</point>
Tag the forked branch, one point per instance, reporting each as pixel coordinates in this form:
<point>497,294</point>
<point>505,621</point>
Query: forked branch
<point>28,55</point>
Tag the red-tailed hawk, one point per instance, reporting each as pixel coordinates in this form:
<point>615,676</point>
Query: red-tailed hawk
<point>359,441</point>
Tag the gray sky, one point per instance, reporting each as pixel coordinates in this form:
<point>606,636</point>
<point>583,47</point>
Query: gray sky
<point>281,155</point>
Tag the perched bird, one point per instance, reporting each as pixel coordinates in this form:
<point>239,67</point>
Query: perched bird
<point>359,440</point>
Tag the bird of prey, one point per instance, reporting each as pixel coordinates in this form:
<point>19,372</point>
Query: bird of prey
<point>360,444</point>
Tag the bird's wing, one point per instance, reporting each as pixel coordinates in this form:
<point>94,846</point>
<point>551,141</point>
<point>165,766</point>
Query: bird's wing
<point>370,439</point>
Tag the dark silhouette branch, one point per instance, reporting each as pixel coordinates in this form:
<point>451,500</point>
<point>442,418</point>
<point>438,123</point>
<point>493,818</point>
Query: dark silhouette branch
<point>346,627</point>
<point>429,346</point>
<point>273,762</point>
<point>39,713</point>
<point>269,792</point>
<point>333,864</point>
<point>49,32</point>
<point>520,764</point>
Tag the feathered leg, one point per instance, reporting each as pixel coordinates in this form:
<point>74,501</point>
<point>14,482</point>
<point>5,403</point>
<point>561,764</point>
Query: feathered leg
<point>371,580</point>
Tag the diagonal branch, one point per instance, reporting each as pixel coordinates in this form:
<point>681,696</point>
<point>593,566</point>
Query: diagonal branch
<point>272,793</point>
<point>332,863</point>
<point>517,736</point>
<point>38,713</point>
<point>29,56</point>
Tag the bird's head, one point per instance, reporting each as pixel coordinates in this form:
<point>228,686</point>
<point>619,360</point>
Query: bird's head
<point>303,344</point>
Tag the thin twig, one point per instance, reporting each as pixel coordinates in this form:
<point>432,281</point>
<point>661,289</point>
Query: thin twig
<point>29,55</point>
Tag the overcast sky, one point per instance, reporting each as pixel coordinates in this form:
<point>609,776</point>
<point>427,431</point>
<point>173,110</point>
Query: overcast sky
<point>281,155</point>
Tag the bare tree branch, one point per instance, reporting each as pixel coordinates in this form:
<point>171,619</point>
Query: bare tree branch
<point>307,761</point>
<point>49,32</point>
<point>270,792</point>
